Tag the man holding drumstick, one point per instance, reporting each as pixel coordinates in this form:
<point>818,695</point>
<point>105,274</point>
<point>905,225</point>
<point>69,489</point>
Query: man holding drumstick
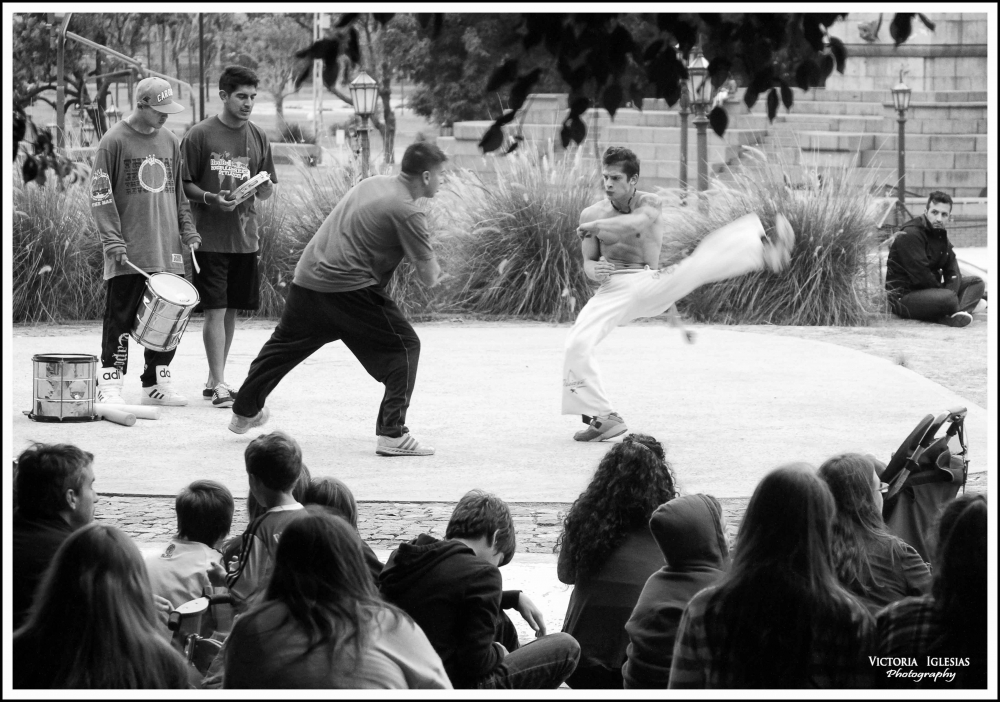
<point>621,239</point>
<point>142,216</point>
<point>220,154</point>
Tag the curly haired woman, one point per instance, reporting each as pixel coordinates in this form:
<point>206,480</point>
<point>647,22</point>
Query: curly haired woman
<point>607,552</point>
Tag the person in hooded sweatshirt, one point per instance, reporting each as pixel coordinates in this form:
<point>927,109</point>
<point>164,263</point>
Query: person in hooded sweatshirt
<point>691,535</point>
<point>452,588</point>
<point>922,279</point>
<point>606,552</point>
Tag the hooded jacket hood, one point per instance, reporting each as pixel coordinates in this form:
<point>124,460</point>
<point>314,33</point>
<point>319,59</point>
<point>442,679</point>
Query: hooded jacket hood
<point>412,561</point>
<point>689,532</point>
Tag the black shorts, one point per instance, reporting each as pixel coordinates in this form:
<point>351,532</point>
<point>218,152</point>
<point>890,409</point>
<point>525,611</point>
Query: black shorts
<point>227,281</point>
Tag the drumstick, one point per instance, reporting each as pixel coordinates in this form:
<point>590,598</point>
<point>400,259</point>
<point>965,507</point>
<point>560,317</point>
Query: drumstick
<point>140,411</point>
<point>137,268</point>
<point>113,414</point>
<point>194,262</point>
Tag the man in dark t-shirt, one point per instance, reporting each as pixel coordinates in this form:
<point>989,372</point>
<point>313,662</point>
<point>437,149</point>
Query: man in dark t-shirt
<point>221,154</point>
<point>338,293</point>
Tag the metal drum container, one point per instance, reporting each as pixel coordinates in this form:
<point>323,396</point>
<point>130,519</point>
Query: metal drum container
<point>65,387</point>
<point>164,311</point>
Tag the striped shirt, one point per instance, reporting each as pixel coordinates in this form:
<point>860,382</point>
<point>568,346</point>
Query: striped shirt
<point>832,663</point>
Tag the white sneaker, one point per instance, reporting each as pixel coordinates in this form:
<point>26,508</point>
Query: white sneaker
<point>109,387</point>
<point>162,393</point>
<point>404,445</point>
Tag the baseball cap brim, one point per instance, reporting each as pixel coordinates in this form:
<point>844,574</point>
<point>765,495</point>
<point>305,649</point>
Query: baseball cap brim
<point>170,108</point>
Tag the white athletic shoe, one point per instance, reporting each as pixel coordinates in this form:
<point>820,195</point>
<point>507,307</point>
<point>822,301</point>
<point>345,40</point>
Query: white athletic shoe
<point>404,445</point>
<point>109,387</point>
<point>162,393</point>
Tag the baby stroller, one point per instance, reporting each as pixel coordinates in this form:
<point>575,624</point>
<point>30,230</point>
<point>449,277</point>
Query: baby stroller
<point>923,475</point>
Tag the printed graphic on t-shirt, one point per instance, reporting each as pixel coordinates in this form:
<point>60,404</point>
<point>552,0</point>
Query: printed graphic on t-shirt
<point>150,174</point>
<point>100,188</point>
<point>224,164</point>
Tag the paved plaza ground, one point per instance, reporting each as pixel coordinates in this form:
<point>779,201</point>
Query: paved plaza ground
<point>738,402</point>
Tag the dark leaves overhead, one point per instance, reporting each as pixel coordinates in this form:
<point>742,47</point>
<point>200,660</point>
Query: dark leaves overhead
<point>433,20</point>
<point>573,129</point>
<point>492,139</point>
<point>813,31</point>
<point>719,120</point>
<point>522,87</point>
<point>772,104</point>
<point>901,27</point>
<point>346,19</point>
<point>383,17</point>
<point>635,91</point>
<point>353,46</point>
<point>682,29</point>
<point>502,75</point>
<point>786,95</point>
<point>578,105</point>
<point>718,69</point>
<point>611,99</point>
<point>807,75</point>
<point>839,53</point>
<point>927,23</point>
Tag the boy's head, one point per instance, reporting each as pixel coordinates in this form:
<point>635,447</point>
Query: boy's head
<point>481,514</point>
<point>273,461</point>
<point>204,512</point>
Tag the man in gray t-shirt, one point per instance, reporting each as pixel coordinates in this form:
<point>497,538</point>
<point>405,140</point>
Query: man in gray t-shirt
<point>338,293</point>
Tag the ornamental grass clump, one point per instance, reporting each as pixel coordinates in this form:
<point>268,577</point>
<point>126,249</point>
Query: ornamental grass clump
<point>57,258</point>
<point>829,281</point>
<point>514,239</point>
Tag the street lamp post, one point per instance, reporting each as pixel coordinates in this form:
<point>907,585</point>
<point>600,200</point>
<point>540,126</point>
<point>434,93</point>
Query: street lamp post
<point>698,89</point>
<point>684,111</point>
<point>364,90</point>
<point>901,101</point>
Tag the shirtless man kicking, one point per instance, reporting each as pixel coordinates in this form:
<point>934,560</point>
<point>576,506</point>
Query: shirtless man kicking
<point>621,239</point>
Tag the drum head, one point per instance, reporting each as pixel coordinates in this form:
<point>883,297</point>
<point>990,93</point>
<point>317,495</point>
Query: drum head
<point>64,358</point>
<point>173,288</point>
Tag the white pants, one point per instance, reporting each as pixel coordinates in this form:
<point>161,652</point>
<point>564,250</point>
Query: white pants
<point>728,252</point>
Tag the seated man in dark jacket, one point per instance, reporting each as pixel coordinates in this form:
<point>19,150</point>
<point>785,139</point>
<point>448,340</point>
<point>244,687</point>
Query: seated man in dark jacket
<point>453,589</point>
<point>53,497</point>
<point>922,279</point>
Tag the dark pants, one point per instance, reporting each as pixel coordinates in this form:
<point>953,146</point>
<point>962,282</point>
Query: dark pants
<point>541,664</point>
<point>596,677</point>
<point>120,306</point>
<point>370,325</point>
<point>936,304</point>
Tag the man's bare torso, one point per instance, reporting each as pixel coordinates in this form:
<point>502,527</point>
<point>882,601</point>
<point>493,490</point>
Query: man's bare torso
<point>633,250</point>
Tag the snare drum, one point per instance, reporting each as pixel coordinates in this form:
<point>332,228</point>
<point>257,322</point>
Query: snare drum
<point>164,311</point>
<point>65,387</point>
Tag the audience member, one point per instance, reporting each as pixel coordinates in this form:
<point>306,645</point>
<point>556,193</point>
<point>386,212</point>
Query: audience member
<point>54,495</point>
<point>922,278</point>
<point>951,623</point>
<point>93,625</point>
<point>336,497</point>
<point>778,618</point>
<point>877,567</point>
<point>273,462</point>
<point>691,534</point>
<point>606,551</point>
<point>191,563</point>
<point>322,623</point>
<point>453,590</point>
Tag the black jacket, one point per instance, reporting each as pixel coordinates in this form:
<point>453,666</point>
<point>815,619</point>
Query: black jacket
<point>455,597</point>
<point>35,542</point>
<point>921,257</point>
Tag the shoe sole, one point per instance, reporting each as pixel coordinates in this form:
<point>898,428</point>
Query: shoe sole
<point>386,451</point>
<point>255,423</point>
<point>609,434</point>
<point>146,400</point>
<point>228,402</point>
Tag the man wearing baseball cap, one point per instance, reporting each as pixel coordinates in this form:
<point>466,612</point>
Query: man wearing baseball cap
<point>143,218</point>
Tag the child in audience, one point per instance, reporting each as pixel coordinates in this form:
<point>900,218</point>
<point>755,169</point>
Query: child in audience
<point>273,462</point>
<point>691,534</point>
<point>338,498</point>
<point>952,621</point>
<point>877,567</point>
<point>607,552</point>
<point>322,623</point>
<point>190,563</point>
<point>93,624</point>
<point>778,618</point>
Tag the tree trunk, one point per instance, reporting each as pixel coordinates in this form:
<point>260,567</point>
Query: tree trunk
<point>389,129</point>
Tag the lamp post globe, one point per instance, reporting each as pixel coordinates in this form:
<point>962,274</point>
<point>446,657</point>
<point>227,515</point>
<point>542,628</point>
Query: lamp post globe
<point>901,101</point>
<point>699,89</point>
<point>364,92</point>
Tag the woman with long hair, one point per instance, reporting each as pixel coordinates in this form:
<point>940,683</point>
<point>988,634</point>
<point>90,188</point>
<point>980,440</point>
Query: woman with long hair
<point>93,624</point>
<point>322,623</point>
<point>779,618</point>
<point>606,551</point>
<point>335,496</point>
<point>877,567</point>
<point>951,622</point>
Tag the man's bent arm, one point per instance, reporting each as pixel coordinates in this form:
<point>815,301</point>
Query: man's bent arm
<point>635,222</point>
<point>429,271</point>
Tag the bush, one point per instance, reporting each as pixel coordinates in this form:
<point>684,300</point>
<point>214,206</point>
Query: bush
<point>295,133</point>
<point>512,243</point>
<point>57,259</point>
<point>830,280</point>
